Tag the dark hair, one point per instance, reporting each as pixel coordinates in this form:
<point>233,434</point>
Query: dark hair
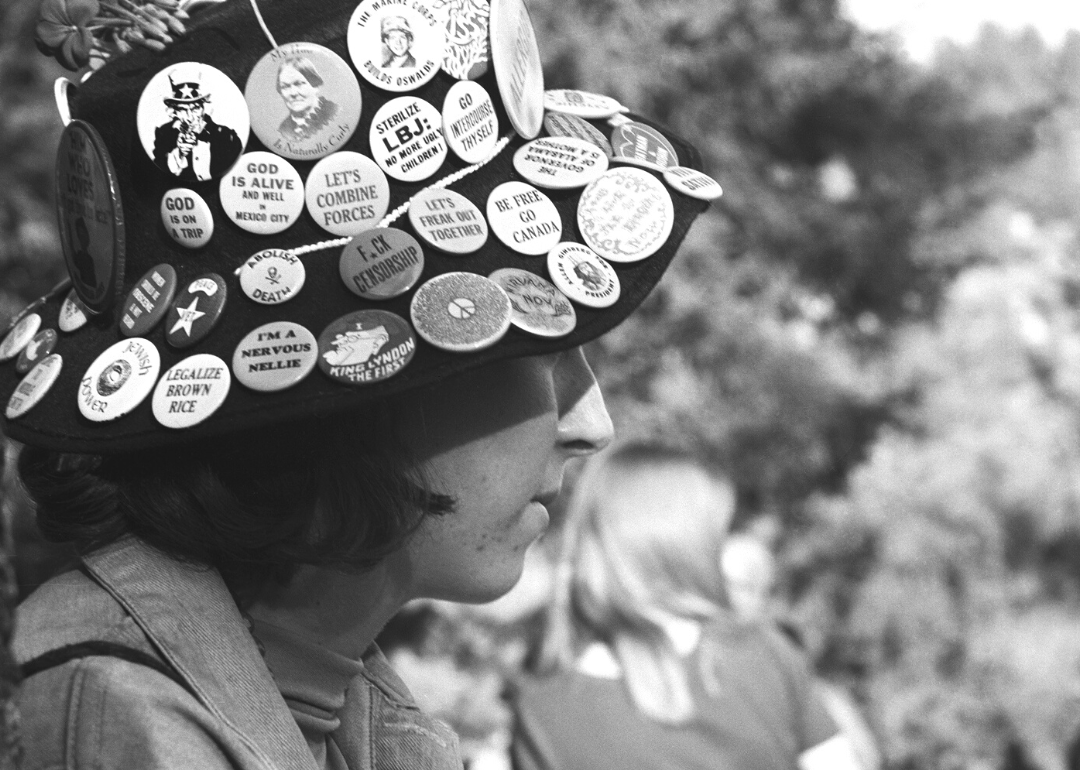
<point>340,491</point>
<point>305,67</point>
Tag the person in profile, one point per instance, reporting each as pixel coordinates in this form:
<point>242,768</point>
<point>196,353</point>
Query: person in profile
<point>397,38</point>
<point>642,664</point>
<point>191,145</point>
<point>298,83</point>
<point>81,258</point>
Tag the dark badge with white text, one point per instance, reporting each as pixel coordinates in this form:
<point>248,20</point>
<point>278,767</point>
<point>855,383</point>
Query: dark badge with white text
<point>196,311</point>
<point>365,347</point>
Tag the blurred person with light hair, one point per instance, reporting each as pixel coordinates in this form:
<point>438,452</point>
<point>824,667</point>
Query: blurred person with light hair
<point>642,663</point>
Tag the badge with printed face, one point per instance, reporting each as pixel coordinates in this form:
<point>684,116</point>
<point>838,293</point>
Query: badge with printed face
<point>272,276</point>
<point>275,356</point>
<point>461,312</point>
<point>191,391</point>
<point>90,216</point>
<point>148,301</point>
<point>448,221</point>
<point>581,103</point>
<point>524,218</point>
<point>187,218</point>
<point>36,349</point>
<point>304,101</point>
<point>583,275</point>
<point>537,307</point>
<point>560,163</point>
<point>73,313</point>
<point>467,49</point>
<point>470,125</point>
<point>366,346</point>
<point>557,124</point>
<point>196,310</point>
<point>644,146</point>
<point>396,45</point>
<point>407,140</point>
<point>347,193</point>
<point>693,183</point>
<point>119,379</point>
<point>34,386</point>
<point>19,336</point>
<point>192,121</point>
<point>263,194</point>
<point>516,59</point>
<point>625,215</point>
<point>381,263</point>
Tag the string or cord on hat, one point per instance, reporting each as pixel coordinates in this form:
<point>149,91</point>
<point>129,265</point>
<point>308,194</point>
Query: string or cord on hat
<point>400,210</point>
<point>265,29</point>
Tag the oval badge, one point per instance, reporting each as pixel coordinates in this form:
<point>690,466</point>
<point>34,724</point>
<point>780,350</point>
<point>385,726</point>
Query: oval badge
<point>560,163</point>
<point>518,72</point>
<point>469,121</point>
<point>34,386</point>
<point>148,301</point>
<point>36,349</point>
<point>581,103</point>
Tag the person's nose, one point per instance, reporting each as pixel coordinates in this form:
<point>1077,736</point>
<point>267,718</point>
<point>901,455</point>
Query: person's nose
<point>584,423</point>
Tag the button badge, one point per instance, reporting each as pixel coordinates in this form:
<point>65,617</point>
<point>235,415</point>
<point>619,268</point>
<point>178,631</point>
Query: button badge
<point>644,146</point>
<point>275,356</point>
<point>448,221</point>
<point>34,386</point>
<point>581,103</point>
<point>263,194</point>
<point>537,307</point>
<point>396,45</point>
<point>583,275</point>
<point>119,379</point>
<point>36,349</point>
<point>625,215</point>
<point>347,193</point>
<point>272,276</point>
<point>524,218</point>
<point>19,336</point>
<point>407,140</point>
<point>73,313</point>
<point>187,218</point>
<point>560,163</point>
<point>461,312</point>
<point>148,301</point>
<point>365,347</point>
<point>558,124</point>
<point>690,182</point>
<point>518,71</point>
<point>470,125</point>
<point>191,391</point>
<point>196,311</point>
<point>381,263</point>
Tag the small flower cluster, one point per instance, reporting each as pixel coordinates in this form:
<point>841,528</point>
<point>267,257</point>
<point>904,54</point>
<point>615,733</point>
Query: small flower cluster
<point>81,32</point>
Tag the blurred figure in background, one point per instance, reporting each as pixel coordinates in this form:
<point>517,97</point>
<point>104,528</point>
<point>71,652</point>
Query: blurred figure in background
<point>642,662</point>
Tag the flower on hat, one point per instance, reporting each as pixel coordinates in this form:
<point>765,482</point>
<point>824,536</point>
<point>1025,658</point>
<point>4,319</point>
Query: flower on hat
<point>62,31</point>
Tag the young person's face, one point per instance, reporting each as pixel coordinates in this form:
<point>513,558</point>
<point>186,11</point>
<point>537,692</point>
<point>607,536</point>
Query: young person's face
<point>497,440</point>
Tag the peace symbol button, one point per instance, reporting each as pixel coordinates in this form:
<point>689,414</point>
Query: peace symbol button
<point>583,275</point>
<point>196,310</point>
<point>407,140</point>
<point>558,124</point>
<point>644,146</point>
<point>34,386</point>
<point>524,218</point>
<point>187,218</point>
<point>581,103</point>
<point>560,163</point>
<point>275,356</point>
<point>347,193</point>
<point>470,125</point>
<point>148,301</point>
<point>448,221</point>
<point>72,313</point>
<point>381,263</point>
<point>691,182</point>
<point>396,45</point>
<point>119,379</point>
<point>272,276</point>
<point>366,346</point>
<point>625,215</point>
<point>460,312</point>
<point>191,391</point>
<point>518,71</point>
<point>36,349</point>
<point>263,193</point>
<point>19,336</point>
<point>536,305</point>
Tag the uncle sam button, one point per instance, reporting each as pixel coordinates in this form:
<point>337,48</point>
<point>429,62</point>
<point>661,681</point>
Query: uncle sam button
<point>448,221</point>
<point>274,356</point>
<point>187,218</point>
<point>36,349</point>
<point>536,306</point>
<point>73,313</point>
<point>19,336</point>
<point>524,218</point>
<point>558,124</point>
<point>381,263</point>
<point>304,101</point>
<point>461,312</point>
<point>366,346</point>
<point>119,379</point>
<point>263,194</point>
<point>396,45</point>
<point>148,301</point>
<point>470,125</point>
<point>693,183</point>
<point>644,146</point>
<point>191,391</point>
<point>518,71</point>
<point>583,275</point>
<point>34,386</point>
<point>272,276</point>
<point>560,163</point>
<point>407,140</point>
<point>347,193</point>
<point>196,310</point>
<point>625,215</point>
<point>192,121</point>
<point>581,103</point>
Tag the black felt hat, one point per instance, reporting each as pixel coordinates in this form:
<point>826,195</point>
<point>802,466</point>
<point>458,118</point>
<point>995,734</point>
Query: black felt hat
<point>229,37</point>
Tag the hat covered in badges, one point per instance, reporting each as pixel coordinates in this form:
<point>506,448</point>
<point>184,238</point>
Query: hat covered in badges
<point>248,244</point>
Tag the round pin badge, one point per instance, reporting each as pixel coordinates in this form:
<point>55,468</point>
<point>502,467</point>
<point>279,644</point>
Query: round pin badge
<point>196,310</point>
<point>73,313</point>
<point>36,349</point>
<point>34,386</point>
<point>304,101</point>
<point>583,275</point>
<point>272,276</point>
<point>581,103</point>
<point>524,218</point>
<point>516,59</point>
<point>448,221</point>
<point>691,182</point>
<point>365,346</point>
<point>643,145</point>
<point>407,140</point>
<point>192,121</point>
<point>263,194</point>
<point>20,336</point>
<point>461,312</point>
<point>190,391</point>
<point>470,125</point>
<point>274,356</point>
<point>625,215</point>
<point>381,263</point>
<point>396,45</point>
<point>468,51</point>
<point>560,163</point>
<point>90,215</point>
<point>558,124</point>
<point>536,306</point>
<point>187,218</point>
<point>347,193</point>
<point>619,120</point>
<point>148,301</point>
<point>119,379</point>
